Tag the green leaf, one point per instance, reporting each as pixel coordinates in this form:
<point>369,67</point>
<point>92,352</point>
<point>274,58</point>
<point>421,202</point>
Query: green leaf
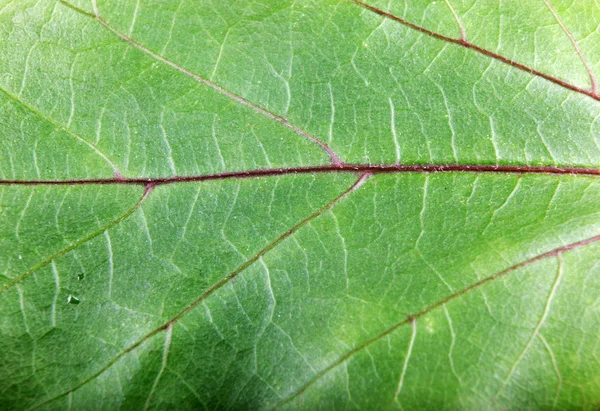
<point>299,204</point>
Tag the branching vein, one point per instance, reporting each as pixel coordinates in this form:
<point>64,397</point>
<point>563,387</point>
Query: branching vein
<point>215,287</point>
<point>334,158</point>
<point>593,80</point>
<point>536,330</point>
<point>76,244</point>
<point>412,318</point>
<point>461,42</point>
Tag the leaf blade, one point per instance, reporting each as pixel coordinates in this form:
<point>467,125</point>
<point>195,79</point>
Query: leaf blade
<point>258,272</point>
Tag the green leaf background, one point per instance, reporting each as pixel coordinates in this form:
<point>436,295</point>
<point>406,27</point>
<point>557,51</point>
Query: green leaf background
<point>299,204</point>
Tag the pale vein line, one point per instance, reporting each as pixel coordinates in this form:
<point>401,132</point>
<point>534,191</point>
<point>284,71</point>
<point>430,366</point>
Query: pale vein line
<point>32,339</point>
<point>493,139</point>
<point>344,247</point>
<point>413,335</point>
<point>35,162</point>
<point>99,124</point>
<point>146,227</point>
<point>185,225</point>
<point>214,72</point>
<point>110,263</point>
<point>164,49</point>
<point>452,343</point>
<point>167,144</point>
<point>431,308</point>
<point>508,199</point>
<point>134,18</point>
<point>214,136</point>
<point>60,126</point>
<point>556,370</point>
<point>432,268</point>
<point>211,321</point>
<point>56,291</point>
<point>189,387</point>
<point>163,365</point>
<point>334,158</point>
<point>422,213</point>
<point>271,296</point>
<point>593,81</point>
<point>22,215</point>
<point>463,33</point>
<point>291,340</point>
<point>332,116</point>
<point>393,127</point>
<point>215,287</point>
<point>450,123</point>
<point>76,243</point>
<point>26,70</point>
<point>22,306</point>
<point>72,88</point>
<point>536,329</point>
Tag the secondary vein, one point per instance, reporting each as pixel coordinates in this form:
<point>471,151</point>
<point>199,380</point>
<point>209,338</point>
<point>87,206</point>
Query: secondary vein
<point>78,242</point>
<point>464,43</point>
<point>168,325</point>
<point>557,252</point>
<point>334,158</point>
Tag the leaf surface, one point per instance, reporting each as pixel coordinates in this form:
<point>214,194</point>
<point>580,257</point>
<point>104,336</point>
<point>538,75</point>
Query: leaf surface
<point>313,204</point>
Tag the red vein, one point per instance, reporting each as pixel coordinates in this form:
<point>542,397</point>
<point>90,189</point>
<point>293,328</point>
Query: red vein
<point>79,242</point>
<point>167,325</point>
<point>412,318</point>
<point>334,158</point>
<point>593,81</point>
<point>461,42</point>
<point>337,166</point>
<point>342,168</point>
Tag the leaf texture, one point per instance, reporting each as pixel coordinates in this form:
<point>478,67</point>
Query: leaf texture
<point>299,204</point>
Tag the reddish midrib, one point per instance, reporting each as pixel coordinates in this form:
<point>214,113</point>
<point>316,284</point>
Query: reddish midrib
<point>342,168</point>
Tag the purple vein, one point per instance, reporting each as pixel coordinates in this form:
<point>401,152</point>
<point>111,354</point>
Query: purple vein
<point>461,42</point>
<point>168,325</point>
<point>78,242</point>
<point>593,81</point>
<point>334,158</point>
<point>342,168</point>
<point>414,317</point>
